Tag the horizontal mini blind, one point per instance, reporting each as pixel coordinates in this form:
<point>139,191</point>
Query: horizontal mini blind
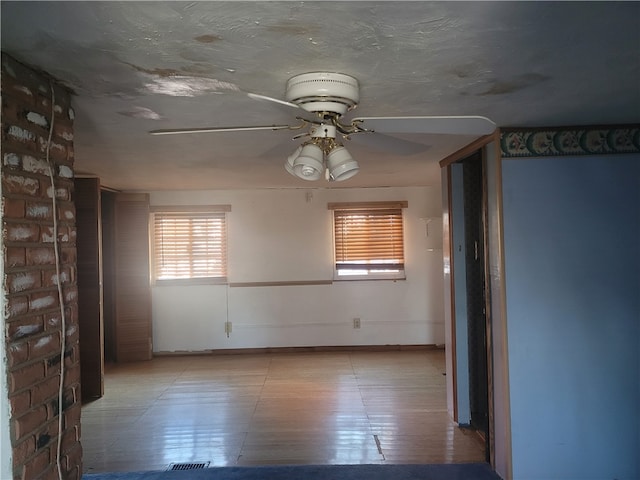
<point>190,245</point>
<point>369,238</point>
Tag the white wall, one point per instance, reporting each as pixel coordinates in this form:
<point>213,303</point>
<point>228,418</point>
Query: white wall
<point>286,236</point>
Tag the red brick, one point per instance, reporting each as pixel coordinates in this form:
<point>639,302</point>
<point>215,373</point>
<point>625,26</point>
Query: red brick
<point>72,313</point>
<point>44,346</point>
<point>70,294</point>
<point>20,403</point>
<point>40,256</point>
<point>42,300</point>
<point>71,462</point>
<point>70,437</point>
<point>19,93</point>
<point>50,278</point>
<point>26,376</point>
<point>15,257</point>
<point>68,255</point>
<point>51,473</point>
<point>32,164</point>
<point>72,376</point>
<point>18,353</point>
<point>22,232</point>
<point>38,117</point>
<point>73,234</point>
<point>76,471</point>
<point>63,234</point>
<point>14,208</point>
<point>24,450</point>
<point>16,306</point>
<point>62,193</point>
<point>36,465</point>
<point>12,112</point>
<point>21,135</point>
<point>46,234</point>
<point>30,421</point>
<point>63,131</point>
<point>39,211</point>
<point>50,429</point>
<point>66,212</point>
<point>72,333</point>
<point>21,281</point>
<point>45,391</point>
<point>19,184</point>
<point>24,328</point>
<point>52,321</point>
<point>57,151</point>
<point>72,415</point>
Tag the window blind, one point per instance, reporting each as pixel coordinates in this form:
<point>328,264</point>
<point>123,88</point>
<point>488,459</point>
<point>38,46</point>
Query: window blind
<point>369,238</point>
<point>190,245</point>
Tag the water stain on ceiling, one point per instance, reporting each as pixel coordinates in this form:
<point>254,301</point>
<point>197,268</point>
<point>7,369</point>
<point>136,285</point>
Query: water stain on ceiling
<point>520,82</point>
<point>208,38</point>
<point>138,66</point>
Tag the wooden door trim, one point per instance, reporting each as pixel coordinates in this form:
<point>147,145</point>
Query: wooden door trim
<point>133,289</point>
<point>481,144</point>
<point>89,275</point>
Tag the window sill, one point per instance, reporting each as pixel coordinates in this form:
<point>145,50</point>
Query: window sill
<point>183,282</point>
<point>367,278</point>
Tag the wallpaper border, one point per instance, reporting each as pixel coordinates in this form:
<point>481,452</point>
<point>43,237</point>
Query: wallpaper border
<point>546,142</point>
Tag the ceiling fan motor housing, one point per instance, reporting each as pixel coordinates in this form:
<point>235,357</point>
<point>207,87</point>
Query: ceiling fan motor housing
<point>323,92</point>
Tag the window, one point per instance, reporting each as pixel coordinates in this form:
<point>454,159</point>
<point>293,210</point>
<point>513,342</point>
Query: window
<point>190,245</point>
<point>368,240</point>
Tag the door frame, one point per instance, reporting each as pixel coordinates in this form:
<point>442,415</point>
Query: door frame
<point>499,431</point>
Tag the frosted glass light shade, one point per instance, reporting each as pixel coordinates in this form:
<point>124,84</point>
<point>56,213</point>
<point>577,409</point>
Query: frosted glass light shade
<point>341,164</point>
<point>288,165</point>
<point>309,164</point>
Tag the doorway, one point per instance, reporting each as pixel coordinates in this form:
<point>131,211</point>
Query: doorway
<point>107,202</point>
<point>114,305</point>
<point>476,294</point>
<point>470,315</point>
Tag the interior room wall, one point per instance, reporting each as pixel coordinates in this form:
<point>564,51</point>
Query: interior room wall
<point>572,257</point>
<point>286,236</point>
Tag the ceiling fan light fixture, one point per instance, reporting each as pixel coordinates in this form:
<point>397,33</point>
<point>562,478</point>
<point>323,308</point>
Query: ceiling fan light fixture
<point>323,92</point>
<point>309,164</point>
<point>288,165</point>
<point>341,164</point>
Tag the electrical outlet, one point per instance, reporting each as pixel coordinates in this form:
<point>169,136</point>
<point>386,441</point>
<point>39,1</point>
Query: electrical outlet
<point>356,322</point>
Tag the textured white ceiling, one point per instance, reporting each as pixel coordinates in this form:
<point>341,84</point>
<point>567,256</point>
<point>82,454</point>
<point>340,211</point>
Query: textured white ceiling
<point>138,66</point>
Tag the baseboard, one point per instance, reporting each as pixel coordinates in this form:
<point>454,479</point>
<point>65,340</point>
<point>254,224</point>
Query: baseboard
<point>315,349</point>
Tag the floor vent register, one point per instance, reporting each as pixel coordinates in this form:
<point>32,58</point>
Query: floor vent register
<point>189,466</point>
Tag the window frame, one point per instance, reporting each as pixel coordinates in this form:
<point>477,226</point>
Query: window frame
<point>369,208</point>
<point>197,211</point>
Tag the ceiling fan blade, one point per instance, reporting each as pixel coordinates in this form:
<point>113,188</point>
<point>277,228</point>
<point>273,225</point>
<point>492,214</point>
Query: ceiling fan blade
<point>286,106</point>
<point>179,131</point>
<point>467,125</point>
<point>264,98</point>
<point>380,141</point>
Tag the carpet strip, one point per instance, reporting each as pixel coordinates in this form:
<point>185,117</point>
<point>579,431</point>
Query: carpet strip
<point>465,471</point>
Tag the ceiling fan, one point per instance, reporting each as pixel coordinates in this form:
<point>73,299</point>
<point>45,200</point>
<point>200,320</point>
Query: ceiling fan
<point>320,99</point>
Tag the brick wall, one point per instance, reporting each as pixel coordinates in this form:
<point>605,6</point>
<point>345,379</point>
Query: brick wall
<point>32,314</point>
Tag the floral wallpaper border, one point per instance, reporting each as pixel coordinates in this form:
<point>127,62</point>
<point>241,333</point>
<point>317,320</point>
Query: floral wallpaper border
<point>569,141</point>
